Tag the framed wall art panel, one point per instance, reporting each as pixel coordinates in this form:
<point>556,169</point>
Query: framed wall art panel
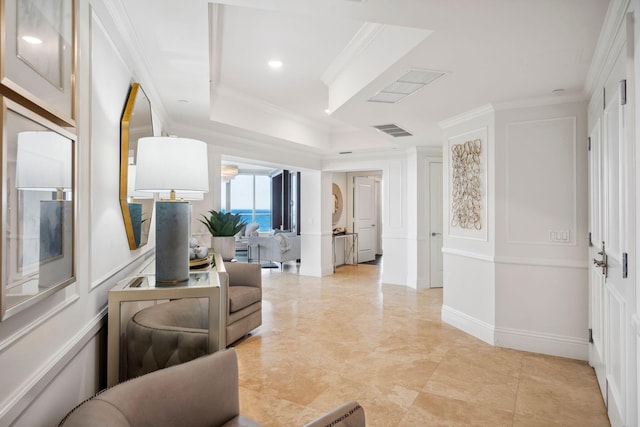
<point>38,54</point>
<point>38,196</point>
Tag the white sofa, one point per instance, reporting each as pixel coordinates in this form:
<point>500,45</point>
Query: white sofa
<point>280,247</point>
<point>242,238</point>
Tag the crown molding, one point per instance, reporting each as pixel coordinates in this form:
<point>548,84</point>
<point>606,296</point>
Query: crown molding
<point>466,116</point>
<point>363,38</point>
<point>607,41</point>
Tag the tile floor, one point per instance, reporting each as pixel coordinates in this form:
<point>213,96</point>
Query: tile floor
<point>328,340</point>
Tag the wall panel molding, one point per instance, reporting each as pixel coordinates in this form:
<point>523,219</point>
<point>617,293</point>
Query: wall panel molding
<point>522,191</point>
<point>468,254</point>
<point>21,398</point>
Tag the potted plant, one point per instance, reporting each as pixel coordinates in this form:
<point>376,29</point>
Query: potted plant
<point>223,228</point>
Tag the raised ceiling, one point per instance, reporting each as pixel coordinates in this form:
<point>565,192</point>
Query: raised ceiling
<point>208,63</point>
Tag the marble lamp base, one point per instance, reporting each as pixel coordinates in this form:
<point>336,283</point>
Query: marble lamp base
<point>173,230</point>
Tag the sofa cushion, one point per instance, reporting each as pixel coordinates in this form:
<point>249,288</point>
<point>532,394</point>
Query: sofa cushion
<point>243,296</point>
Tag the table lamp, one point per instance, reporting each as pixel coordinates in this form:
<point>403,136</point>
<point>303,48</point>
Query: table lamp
<point>44,163</point>
<point>171,164</point>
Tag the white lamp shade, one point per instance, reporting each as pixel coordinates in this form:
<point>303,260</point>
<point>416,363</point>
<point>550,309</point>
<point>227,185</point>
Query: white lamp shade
<point>131,181</point>
<point>169,163</point>
<point>43,162</point>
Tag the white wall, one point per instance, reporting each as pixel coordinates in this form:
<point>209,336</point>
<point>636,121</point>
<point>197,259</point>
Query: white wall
<point>511,283</point>
<point>395,209</point>
<point>541,194</point>
<point>50,352</point>
<point>316,250</point>
<point>468,255</point>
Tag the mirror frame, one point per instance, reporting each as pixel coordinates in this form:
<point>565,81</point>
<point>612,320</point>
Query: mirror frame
<point>124,159</point>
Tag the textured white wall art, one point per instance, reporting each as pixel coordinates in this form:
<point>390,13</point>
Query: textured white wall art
<point>466,193</point>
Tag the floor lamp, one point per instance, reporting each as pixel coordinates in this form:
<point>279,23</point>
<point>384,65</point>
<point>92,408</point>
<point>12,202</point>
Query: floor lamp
<point>170,164</point>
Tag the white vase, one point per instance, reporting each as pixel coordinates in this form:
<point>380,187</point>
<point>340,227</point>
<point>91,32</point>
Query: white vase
<point>225,246</point>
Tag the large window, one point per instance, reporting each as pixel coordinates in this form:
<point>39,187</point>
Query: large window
<point>249,195</point>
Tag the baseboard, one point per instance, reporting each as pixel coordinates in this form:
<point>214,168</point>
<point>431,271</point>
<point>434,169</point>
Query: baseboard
<point>536,342</point>
<point>477,328</point>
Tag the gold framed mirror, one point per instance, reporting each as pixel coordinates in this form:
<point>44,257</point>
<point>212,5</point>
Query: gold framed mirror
<point>136,207</point>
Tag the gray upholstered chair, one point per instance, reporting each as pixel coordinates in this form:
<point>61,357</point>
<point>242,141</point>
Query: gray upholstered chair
<point>244,309</point>
<point>202,392</point>
<point>175,332</point>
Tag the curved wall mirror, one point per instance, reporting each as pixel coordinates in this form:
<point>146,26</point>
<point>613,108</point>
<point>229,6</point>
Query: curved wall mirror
<point>337,204</point>
<point>37,208</point>
<point>136,207</point>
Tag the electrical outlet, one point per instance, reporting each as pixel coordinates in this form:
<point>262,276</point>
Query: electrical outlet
<point>559,236</point>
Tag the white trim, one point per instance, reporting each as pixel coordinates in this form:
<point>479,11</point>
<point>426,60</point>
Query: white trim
<point>466,116</point>
<point>123,269</point>
<point>635,324</point>
<point>608,33</point>
<point>543,262</point>
<point>478,328</point>
<point>467,254</point>
<point>21,398</point>
<point>356,46</point>
<point>41,320</point>
<point>542,101</point>
<point>537,342</point>
<point>574,227</point>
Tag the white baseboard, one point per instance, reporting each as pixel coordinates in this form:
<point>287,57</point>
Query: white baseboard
<point>536,342</point>
<point>478,328</point>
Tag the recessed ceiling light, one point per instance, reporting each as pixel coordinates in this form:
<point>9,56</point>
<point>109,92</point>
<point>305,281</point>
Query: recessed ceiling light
<point>327,111</point>
<point>32,40</point>
<point>275,64</point>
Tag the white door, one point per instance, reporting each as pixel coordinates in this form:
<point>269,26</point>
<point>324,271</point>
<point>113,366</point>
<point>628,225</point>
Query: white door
<point>435,224</point>
<point>612,288</point>
<point>365,217</point>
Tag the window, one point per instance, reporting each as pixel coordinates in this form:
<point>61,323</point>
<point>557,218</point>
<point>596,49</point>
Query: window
<point>248,194</point>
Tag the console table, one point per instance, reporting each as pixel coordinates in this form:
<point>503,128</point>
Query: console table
<point>353,251</point>
<point>142,287</point>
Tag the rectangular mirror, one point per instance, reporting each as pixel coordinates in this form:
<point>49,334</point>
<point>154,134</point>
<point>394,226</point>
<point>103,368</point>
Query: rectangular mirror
<point>37,208</point>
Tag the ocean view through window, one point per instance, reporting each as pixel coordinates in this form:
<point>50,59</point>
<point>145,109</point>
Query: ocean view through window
<point>250,196</point>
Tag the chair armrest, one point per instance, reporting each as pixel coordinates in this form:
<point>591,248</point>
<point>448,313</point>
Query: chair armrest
<point>203,391</point>
<point>350,414</point>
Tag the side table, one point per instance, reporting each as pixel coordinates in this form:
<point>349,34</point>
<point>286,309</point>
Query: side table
<point>142,287</point>
<point>354,247</point>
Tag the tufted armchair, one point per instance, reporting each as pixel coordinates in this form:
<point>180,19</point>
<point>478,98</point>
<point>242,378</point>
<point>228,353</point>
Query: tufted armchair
<point>175,332</point>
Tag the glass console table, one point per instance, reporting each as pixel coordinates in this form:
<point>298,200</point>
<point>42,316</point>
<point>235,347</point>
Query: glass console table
<point>348,251</point>
<point>142,287</point>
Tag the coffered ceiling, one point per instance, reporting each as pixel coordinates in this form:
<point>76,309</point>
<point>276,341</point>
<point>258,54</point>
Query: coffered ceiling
<point>209,63</point>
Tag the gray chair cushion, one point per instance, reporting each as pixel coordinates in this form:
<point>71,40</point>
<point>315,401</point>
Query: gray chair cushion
<point>243,296</point>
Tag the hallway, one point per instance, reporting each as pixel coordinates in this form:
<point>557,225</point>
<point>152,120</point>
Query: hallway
<point>345,337</point>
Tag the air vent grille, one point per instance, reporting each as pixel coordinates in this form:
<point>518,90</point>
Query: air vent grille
<point>410,82</point>
<point>393,130</point>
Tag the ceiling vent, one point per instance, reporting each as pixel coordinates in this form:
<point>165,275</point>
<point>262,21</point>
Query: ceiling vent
<point>410,82</point>
<point>393,130</point>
